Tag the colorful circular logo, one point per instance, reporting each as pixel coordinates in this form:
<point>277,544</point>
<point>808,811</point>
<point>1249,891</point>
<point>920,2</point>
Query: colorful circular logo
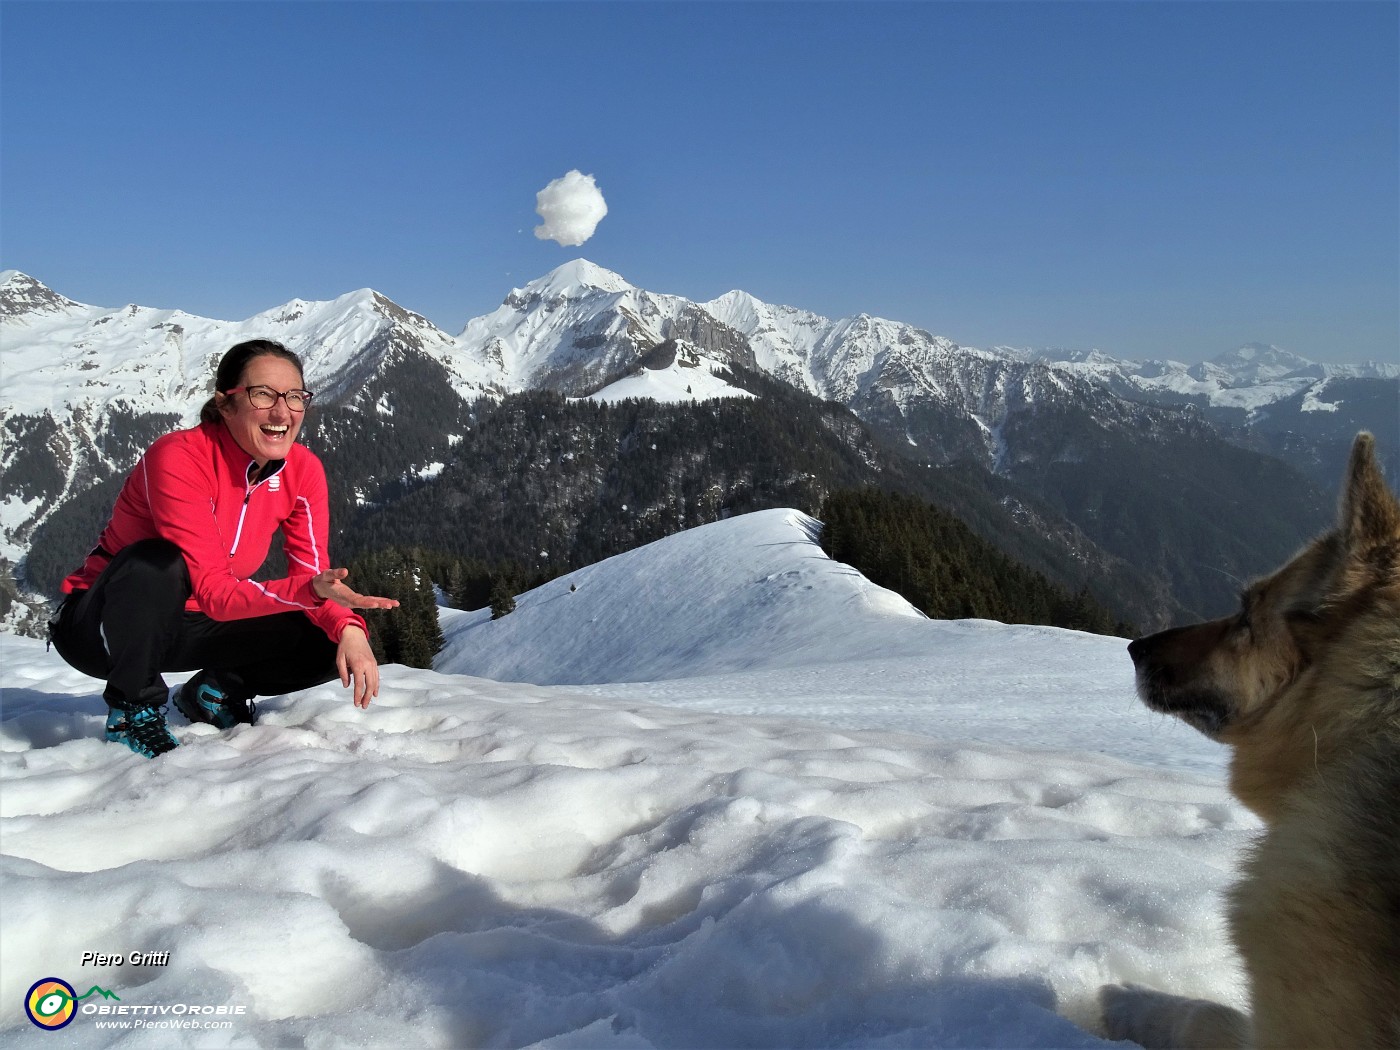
<point>51,1003</point>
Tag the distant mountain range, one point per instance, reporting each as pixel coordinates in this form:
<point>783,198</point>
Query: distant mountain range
<point>1069,444</point>
<point>581,327</point>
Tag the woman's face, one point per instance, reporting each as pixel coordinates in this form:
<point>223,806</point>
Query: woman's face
<point>264,433</point>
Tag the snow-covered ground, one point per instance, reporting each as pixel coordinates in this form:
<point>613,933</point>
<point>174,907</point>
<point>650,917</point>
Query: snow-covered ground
<point>763,804</point>
<point>680,380</point>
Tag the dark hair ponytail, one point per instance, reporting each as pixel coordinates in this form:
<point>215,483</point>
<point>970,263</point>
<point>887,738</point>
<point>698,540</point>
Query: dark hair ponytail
<point>232,365</point>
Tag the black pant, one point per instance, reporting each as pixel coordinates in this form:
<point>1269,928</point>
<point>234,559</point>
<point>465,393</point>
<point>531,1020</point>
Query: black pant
<point>132,625</point>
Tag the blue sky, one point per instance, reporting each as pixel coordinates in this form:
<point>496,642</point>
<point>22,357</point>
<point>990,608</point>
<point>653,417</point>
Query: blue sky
<point>1153,179</point>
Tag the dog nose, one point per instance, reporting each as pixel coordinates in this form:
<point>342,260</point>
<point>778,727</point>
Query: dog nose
<point>1137,649</point>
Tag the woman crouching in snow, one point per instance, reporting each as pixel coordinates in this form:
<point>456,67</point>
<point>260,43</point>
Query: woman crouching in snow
<point>167,587</point>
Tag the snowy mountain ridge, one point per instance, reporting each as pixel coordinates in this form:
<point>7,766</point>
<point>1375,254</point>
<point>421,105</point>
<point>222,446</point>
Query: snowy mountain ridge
<point>64,356</point>
<point>1251,377</point>
<point>575,329</point>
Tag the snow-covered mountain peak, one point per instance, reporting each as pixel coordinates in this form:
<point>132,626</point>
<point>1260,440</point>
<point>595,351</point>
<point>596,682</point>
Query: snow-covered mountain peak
<point>1257,364</point>
<point>1063,355</point>
<point>1370,369</point>
<point>575,279</point>
<point>580,327</point>
<point>737,308</point>
<point>751,315</point>
<point>21,294</point>
<point>734,295</point>
<point>1251,352</point>
<point>784,338</point>
<point>1260,362</point>
<point>363,301</point>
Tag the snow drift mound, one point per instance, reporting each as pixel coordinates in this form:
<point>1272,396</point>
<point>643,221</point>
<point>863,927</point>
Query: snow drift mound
<point>753,592</point>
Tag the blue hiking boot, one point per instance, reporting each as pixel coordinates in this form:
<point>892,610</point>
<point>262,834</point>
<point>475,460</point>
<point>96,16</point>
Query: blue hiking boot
<point>144,731</point>
<point>204,699</point>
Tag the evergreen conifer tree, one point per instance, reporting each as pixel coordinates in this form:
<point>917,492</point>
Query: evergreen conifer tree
<point>502,598</point>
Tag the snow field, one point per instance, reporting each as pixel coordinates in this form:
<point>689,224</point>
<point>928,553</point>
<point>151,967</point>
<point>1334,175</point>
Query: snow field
<point>801,815</point>
<point>478,864</point>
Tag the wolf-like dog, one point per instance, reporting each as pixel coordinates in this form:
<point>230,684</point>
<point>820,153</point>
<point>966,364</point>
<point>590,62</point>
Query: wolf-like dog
<point>1303,684</point>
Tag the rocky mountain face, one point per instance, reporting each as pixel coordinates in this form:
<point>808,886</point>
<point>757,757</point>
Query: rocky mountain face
<point>1166,468</point>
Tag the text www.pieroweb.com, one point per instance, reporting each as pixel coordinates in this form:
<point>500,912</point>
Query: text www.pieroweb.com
<point>157,1018</point>
<point>167,1024</point>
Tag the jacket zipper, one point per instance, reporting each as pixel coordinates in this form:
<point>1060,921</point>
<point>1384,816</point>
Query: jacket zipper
<point>238,533</point>
<point>248,488</point>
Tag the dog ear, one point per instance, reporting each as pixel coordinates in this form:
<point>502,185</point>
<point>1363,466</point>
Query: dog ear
<point>1370,515</point>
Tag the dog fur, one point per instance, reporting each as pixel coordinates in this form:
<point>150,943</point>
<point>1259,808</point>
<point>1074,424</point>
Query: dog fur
<point>1303,684</point>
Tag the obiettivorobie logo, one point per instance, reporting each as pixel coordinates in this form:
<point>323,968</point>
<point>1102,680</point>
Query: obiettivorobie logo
<point>52,1003</point>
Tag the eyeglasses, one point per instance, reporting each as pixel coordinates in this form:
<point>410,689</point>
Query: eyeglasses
<point>266,397</point>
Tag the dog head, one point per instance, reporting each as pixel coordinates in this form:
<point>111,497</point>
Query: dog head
<point>1227,673</point>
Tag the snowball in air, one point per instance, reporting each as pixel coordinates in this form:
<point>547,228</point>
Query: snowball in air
<point>571,208</point>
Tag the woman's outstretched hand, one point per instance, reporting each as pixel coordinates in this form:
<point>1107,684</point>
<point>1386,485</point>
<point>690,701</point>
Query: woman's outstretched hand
<point>330,587</point>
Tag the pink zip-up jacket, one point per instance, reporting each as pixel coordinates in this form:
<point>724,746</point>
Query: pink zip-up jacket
<point>199,490</point>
